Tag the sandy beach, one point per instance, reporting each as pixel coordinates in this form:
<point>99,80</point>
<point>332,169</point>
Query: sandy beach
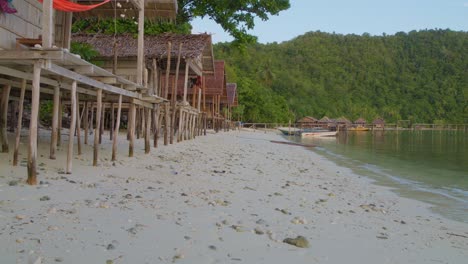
<point>231,197</point>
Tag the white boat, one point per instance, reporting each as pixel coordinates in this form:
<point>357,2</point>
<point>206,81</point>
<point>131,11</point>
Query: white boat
<point>289,130</point>
<point>319,134</point>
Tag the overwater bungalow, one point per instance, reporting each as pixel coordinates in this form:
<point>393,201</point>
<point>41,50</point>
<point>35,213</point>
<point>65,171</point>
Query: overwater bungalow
<point>378,123</point>
<point>343,123</point>
<point>307,122</point>
<point>327,123</point>
<point>34,56</point>
<point>360,122</point>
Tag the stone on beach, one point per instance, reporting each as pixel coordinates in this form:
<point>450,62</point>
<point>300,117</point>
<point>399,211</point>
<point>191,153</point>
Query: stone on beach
<point>299,241</point>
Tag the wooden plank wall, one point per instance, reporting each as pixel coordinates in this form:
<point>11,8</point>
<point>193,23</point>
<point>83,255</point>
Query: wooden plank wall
<point>26,23</point>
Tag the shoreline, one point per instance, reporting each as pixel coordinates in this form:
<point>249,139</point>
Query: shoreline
<point>203,201</point>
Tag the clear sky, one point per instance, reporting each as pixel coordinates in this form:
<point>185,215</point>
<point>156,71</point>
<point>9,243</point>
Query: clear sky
<point>352,16</point>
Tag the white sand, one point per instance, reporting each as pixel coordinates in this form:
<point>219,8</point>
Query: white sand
<point>199,201</point>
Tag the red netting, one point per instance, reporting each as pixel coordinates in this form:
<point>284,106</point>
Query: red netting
<point>67,6</point>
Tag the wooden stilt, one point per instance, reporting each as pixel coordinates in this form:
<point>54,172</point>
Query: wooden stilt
<point>78,124</point>
<point>143,122</point>
<point>155,125</point>
<point>3,117</point>
<point>55,123</point>
<point>116,132</point>
<point>132,129</point>
<point>166,123</point>
<point>91,121</point>
<point>98,125</point>
<point>112,126</point>
<point>148,130</point>
<point>60,119</point>
<point>137,122</point>
<point>85,122</point>
<point>32,147</point>
<point>72,128</point>
<point>20,123</point>
<point>179,132</point>
<point>101,127</point>
<point>174,95</point>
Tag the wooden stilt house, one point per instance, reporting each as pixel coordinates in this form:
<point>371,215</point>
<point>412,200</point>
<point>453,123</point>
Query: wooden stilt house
<point>36,64</point>
<point>214,87</point>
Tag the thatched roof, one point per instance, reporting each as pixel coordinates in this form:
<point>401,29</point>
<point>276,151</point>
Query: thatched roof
<point>360,121</point>
<point>154,9</point>
<point>343,120</point>
<point>194,46</point>
<point>325,119</point>
<point>308,119</point>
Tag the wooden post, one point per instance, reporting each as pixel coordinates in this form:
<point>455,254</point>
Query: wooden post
<point>179,134</point>
<point>72,128</point>
<point>85,122</point>
<point>98,125</point>
<point>168,69</point>
<point>155,79</point>
<point>137,122</point>
<point>101,127</point>
<point>166,123</point>
<point>3,117</point>
<point>148,130</point>
<point>111,130</point>
<point>131,129</point>
<point>55,121</point>
<point>60,119</point>
<point>141,35</point>
<point>20,121</point>
<point>91,121</point>
<point>156,112</point>
<point>174,95</point>
<point>47,24</point>
<point>186,80</point>
<point>32,147</point>
<point>199,99</point>
<point>116,132</point>
<point>78,124</point>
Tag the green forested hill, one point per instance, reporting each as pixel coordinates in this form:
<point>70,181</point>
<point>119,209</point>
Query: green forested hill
<point>421,76</point>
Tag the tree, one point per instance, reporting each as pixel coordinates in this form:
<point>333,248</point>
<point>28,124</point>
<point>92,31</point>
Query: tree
<point>235,17</point>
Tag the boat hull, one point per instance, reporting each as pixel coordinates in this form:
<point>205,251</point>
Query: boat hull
<point>319,134</point>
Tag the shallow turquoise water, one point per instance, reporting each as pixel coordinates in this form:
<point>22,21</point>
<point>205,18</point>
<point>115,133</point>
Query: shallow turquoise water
<point>431,166</point>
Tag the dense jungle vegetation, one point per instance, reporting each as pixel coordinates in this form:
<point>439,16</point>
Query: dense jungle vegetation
<point>420,76</point>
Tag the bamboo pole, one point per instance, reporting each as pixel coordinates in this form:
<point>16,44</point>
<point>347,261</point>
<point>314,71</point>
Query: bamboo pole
<point>98,125</point>
<point>117,127</point>
<point>32,147</point>
<point>132,129</point>
<point>3,117</point>
<point>20,121</point>
<point>72,128</point>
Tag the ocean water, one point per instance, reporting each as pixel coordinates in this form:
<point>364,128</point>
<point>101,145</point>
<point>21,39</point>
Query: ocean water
<point>430,166</point>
